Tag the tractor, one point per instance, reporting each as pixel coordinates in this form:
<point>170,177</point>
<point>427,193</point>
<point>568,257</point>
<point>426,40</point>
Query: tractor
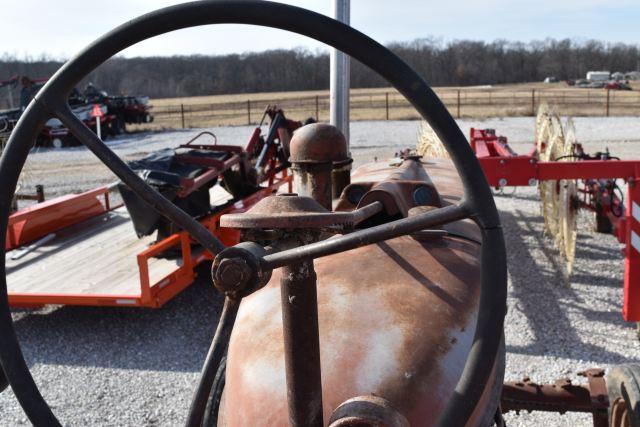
<point>372,298</point>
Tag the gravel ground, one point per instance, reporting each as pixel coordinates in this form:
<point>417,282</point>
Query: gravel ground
<point>118,366</point>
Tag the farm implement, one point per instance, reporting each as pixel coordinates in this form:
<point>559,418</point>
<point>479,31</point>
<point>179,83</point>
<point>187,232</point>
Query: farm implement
<point>376,300</point>
<point>569,180</point>
<point>115,112</point>
<point>204,178</point>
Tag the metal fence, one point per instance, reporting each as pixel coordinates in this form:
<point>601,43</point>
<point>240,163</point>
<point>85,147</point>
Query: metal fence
<point>378,105</point>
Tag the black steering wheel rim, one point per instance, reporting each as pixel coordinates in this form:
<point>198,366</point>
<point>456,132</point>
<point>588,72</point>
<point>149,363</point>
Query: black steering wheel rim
<point>478,200</point>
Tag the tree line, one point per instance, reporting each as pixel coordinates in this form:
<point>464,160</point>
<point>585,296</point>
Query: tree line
<point>455,63</point>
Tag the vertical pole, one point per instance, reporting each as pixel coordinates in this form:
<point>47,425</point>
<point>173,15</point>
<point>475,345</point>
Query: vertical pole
<point>317,108</point>
<point>248,111</point>
<point>339,78</point>
<point>182,114</point>
<point>386,100</point>
<point>39,193</point>
<point>339,94</point>
<point>608,97</point>
<point>533,102</point>
<point>10,97</point>
<point>98,127</point>
<point>301,344</point>
<point>458,113</point>
<point>631,302</point>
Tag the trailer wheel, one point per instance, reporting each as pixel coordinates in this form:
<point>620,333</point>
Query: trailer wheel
<point>213,404</point>
<point>623,386</point>
<point>57,143</point>
<point>117,127</point>
<point>603,224</point>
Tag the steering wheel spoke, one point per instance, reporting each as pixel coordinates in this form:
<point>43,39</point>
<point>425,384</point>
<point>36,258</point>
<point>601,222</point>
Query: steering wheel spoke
<point>153,198</point>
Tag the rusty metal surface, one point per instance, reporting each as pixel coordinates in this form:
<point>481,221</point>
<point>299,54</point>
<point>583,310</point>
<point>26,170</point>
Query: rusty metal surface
<point>396,319</point>
<point>290,211</point>
<point>367,410</point>
<point>301,344</point>
<point>314,180</point>
<point>318,143</point>
<point>619,413</point>
<point>562,396</point>
<point>439,172</point>
<point>393,186</point>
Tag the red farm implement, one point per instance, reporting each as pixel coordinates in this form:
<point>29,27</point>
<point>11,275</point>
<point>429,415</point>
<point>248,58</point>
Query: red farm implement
<point>570,179</point>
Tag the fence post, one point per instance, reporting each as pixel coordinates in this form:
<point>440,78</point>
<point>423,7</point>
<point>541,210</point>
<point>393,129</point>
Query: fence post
<point>458,114</point>
<point>608,94</point>
<point>533,102</point>
<point>182,114</point>
<point>386,103</point>
<point>248,111</point>
<point>317,108</point>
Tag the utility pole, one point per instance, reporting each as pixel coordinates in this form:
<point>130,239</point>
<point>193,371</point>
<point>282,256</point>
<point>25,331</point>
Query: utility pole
<point>339,96</point>
<point>339,78</point>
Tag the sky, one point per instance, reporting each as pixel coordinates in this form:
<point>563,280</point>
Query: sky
<point>60,28</point>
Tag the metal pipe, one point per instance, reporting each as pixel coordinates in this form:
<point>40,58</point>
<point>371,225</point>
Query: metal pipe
<point>313,180</point>
<point>217,351</point>
<point>340,84</point>
<point>340,77</point>
<point>301,344</point>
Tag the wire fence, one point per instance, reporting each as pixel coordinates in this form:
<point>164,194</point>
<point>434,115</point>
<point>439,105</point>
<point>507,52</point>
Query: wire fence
<point>392,106</point>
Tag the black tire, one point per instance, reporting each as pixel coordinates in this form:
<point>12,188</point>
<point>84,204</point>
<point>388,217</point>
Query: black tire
<point>603,224</point>
<point>117,127</point>
<point>213,404</point>
<point>623,387</point>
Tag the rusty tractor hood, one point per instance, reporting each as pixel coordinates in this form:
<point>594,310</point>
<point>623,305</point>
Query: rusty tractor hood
<point>396,319</point>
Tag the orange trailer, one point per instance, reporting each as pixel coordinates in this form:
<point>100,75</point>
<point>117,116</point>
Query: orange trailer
<point>50,244</point>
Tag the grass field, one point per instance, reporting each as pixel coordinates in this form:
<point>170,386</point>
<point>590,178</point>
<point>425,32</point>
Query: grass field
<point>388,104</point>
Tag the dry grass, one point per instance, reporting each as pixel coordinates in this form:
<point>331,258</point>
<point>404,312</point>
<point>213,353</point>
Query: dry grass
<point>371,104</point>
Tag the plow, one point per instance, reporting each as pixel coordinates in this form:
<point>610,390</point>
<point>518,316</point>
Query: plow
<point>368,298</point>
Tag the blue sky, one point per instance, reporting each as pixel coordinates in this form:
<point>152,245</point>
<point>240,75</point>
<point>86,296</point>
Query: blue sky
<point>62,27</point>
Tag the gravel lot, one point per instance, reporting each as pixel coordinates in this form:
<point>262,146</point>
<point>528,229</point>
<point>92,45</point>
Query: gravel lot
<point>118,366</point>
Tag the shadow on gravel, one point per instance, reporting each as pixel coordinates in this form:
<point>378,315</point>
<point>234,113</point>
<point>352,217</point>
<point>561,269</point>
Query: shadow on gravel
<point>173,338</point>
<point>544,298</point>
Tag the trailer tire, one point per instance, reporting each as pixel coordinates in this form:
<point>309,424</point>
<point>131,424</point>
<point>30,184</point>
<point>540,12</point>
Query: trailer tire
<point>603,224</point>
<point>215,396</point>
<point>57,143</point>
<point>623,387</point>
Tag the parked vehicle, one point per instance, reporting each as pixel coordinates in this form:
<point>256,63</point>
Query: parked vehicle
<point>618,86</point>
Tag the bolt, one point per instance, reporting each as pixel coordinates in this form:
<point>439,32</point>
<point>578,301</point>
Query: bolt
<point>502,162</point>
<point>232,273</point>
<point>502,182</point>
<point>533,182</point>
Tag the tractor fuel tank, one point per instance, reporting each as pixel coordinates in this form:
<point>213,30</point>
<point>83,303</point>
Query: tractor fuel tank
<point>396,320</point>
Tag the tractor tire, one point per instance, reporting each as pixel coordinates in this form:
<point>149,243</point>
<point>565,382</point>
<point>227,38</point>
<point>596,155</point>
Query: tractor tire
<point>215,397</point>
<point>117,127</point>
<point>603,224</point>
<point>623,386</point>
<point>4,383</point>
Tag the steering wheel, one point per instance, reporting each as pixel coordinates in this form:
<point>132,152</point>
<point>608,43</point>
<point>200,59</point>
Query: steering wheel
<point>476,204</point>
